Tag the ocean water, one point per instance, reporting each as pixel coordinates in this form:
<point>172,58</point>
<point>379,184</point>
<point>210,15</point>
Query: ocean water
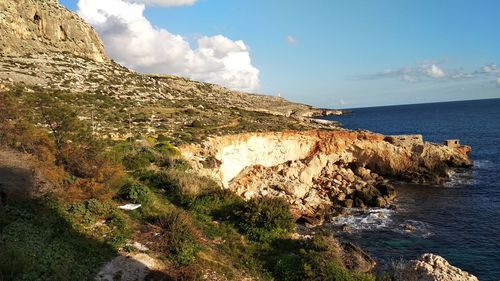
<point>459,220</point>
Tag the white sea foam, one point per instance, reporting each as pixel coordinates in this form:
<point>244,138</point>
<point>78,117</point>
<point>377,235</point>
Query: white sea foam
<point>372,219</point>
<point>483,164</point>
<point>381,220</point>
<point>459,179</point>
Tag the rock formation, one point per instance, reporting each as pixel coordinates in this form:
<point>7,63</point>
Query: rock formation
<point>431,267</point>
<point>29,27</point>
<point>318,169</point>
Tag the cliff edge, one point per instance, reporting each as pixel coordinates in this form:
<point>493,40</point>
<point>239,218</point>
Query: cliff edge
<point>317,170</point>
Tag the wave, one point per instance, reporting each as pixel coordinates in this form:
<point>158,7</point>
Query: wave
<point>371,219</point>
<point>459,178</point>
<point>377,219</point>
<point>483,164</point>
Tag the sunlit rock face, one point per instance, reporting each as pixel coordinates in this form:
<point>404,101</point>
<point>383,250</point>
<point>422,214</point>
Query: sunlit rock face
<point>30,27</point>
<point>317,169</point>
<point>431,267</point>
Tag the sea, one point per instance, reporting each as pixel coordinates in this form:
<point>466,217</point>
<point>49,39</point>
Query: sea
<point>459,220</point>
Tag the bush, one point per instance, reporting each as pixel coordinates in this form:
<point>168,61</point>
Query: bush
<point>177,164</point>
<point>264,219</point>
<point>85,214</point>
<point>167,149</point>
<point>140,159</point>
<point>177,239</point>
<point>135,192</point>
<point>182,188</point>
<point>217,202</point>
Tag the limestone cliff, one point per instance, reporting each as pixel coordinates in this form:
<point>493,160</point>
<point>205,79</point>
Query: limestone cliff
<point>316,169</point>
<point>29,27</point>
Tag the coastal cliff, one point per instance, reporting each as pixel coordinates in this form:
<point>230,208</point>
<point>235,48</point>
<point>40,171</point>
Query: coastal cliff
<point>317,170</point>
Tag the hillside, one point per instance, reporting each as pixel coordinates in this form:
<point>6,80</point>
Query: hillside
<point>45,47</point>
<point>124,176</point>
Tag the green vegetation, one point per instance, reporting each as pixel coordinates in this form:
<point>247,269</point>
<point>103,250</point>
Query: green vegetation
<point>186,220</point>
<point>266,219</point>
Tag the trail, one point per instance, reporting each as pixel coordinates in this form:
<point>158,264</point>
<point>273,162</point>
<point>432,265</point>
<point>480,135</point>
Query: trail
<point>16,175</point>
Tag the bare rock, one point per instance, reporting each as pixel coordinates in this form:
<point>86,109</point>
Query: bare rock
<point>431,267</point>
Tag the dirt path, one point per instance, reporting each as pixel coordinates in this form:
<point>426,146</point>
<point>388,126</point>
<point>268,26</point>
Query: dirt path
<point>16,174</point>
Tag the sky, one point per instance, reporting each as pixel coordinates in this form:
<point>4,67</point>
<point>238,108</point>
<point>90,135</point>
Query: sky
<point>327,53</point>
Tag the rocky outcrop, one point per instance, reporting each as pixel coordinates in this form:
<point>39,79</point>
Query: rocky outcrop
<point>431,267</point>
<point>40,26</point>
<point>315,170</point>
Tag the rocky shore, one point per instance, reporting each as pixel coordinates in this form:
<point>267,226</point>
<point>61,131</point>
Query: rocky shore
<point>320,172</point>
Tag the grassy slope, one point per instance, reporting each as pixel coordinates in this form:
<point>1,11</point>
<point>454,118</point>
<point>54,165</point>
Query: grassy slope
<point>187,221</point>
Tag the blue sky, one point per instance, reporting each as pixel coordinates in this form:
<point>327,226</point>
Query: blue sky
<point>353,53</point>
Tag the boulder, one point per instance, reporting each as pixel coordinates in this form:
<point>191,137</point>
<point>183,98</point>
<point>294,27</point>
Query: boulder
<point>431,267</point>
<point>387,190</point>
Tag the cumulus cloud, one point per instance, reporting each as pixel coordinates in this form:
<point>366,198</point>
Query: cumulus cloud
<point>490,68</point>
<point>410,79</point>
<point>291,40</point>
<point>166,3</point>
<point>411,74</point>
<point>435,72</point>
<point>133,41</point>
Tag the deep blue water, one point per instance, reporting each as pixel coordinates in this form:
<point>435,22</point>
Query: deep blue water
<point>460,220</point>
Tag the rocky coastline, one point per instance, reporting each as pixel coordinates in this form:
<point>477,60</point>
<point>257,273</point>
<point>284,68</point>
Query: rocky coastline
<point>321,172</point>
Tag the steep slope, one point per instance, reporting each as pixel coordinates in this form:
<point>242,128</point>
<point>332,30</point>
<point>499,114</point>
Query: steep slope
<point>29,27</point>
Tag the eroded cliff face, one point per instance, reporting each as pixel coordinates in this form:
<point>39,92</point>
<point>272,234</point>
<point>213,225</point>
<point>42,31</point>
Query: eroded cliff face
<point>315,170</point>
<point>28,27</point>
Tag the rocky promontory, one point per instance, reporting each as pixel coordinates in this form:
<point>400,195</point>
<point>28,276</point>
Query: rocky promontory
<point>318,170</point>
<point>431,267</point>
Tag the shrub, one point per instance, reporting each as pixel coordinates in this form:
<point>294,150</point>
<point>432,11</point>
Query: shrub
<point>85,214</point>
<point>135,192</point>
<point>167,149</point>
<point>264,219</point>
<point>177,239</point>
<point>140,159</point>
<point>177,164</point>
<point>217,202</point>
<point>182,188</point>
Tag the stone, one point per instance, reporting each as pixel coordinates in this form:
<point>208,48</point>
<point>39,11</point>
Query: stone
<point>356,259</point>
<point>380,202</point>
<point>345,228</point>
<point>431,267</point>
<point>386,189</point>
<point>348,203</point>
<point>359,203</point>
<point>368,194</point>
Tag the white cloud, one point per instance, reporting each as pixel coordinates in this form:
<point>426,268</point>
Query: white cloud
<point>490,68</point>
<point>408,78</point>
<point>291,40</point>
<point>166,3</point>
<point>498,81</point>
<point>133,41</point>
<point>435,72</point>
